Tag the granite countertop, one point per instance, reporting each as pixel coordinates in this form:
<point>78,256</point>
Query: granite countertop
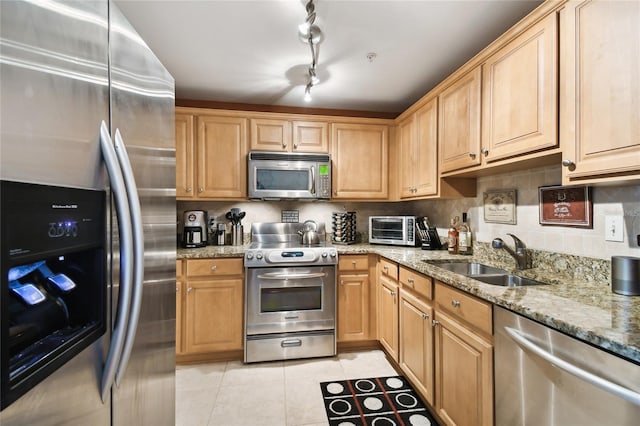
<point>581,305</point>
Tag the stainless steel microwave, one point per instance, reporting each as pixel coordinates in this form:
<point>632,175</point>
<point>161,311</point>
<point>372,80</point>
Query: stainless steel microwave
<point>392,230</point>
<point>281,175</point>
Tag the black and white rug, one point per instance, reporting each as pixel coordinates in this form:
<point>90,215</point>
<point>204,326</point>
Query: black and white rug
<point>377,401</point>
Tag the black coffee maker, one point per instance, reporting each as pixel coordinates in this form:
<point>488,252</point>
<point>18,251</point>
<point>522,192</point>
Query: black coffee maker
<point>194,232</point>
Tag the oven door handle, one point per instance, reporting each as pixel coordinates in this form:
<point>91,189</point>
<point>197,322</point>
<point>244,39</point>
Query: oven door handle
<point>279,276</point>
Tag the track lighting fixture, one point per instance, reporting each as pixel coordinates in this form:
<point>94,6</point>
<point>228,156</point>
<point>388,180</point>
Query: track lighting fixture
<point>311,34</point>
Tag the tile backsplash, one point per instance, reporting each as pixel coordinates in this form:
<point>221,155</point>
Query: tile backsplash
<point>610,200</point>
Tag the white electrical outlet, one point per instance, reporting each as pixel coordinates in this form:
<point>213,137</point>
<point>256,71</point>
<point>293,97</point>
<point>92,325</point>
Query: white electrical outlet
<point>613,228</point>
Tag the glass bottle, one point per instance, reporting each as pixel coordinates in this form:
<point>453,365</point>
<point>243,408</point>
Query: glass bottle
<point>452,240</point>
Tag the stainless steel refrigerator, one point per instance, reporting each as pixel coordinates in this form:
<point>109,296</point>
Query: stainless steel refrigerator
<point>87,183</point>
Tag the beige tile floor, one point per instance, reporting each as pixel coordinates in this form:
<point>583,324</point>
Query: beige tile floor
<point>280,393</point>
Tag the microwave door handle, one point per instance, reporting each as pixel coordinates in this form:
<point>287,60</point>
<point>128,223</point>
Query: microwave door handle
<point>313,180</point>
<point>126,264</point>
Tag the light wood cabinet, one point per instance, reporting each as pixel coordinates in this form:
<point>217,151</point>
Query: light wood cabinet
<point>353,307</point>
<point>459,123</point>
<point>221,154</point>
<point>416,343</point>
<point>463,358</point>
<point>388,307</point>
<point>360,161</point>
<point>600,91</point>
<point>213,306</point>
<point>520,94</point>
<point>418,168</point>
<point>269,134</point>
<point>179,308</point>
<point>185,156</point>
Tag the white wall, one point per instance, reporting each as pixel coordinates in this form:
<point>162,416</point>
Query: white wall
<point>611,200</point>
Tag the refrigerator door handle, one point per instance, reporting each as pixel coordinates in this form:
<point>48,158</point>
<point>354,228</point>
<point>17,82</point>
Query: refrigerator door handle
<point>138,253</point>
<point>126,264</point>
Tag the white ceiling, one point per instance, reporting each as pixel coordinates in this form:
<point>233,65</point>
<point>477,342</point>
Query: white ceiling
<point>249,51</point>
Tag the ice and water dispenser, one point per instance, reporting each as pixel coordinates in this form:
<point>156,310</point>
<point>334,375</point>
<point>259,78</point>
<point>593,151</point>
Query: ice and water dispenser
<point>53,289</point>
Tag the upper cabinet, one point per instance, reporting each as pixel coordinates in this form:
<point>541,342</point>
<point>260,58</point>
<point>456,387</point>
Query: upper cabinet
<point>600,91</point>
<point>459,123</point>
<point>268,134</point>
<point>520,94</point>
<point>359,153</point>
<point>185,155</point>
<point>418,138</point>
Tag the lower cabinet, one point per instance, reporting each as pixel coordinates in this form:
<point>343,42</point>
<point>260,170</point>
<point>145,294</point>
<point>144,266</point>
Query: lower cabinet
<point>211,306</point>
<point>388,307</point>
<point>353,302</point>
<point>463,358</point>
<point>416,343</point>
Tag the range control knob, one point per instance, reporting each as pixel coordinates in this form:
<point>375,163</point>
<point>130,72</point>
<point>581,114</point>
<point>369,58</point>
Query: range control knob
<point>258,255</point>
<point>332,254</point>
<point>324,254</point>
<point>249,255</point>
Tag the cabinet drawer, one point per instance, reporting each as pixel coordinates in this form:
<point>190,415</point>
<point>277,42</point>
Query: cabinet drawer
<point>476,312</point>
<point>421,284</point>
<point>388,268</point>
<point>179,268</point>
<point>214,267</point>
<point>353,263</point>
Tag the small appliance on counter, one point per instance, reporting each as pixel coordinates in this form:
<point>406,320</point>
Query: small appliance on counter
<point>344,227</point>
<point>625,275</point>
<point>194,232</point>
<point>393,230</point>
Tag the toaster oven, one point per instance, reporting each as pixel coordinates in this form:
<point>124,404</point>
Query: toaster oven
<point>393,230</point>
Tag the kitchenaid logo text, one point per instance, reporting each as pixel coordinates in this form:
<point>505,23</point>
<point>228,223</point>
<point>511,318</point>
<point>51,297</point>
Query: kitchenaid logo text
<point>64,206</point>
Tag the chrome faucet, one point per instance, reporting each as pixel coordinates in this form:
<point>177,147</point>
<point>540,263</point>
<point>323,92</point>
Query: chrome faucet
<point>523,260</point>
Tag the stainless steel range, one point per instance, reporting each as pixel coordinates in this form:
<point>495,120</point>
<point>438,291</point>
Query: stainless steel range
<point>290,294</point>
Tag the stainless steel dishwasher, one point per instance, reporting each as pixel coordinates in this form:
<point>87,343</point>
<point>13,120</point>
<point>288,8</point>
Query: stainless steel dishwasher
<point>544,377</point>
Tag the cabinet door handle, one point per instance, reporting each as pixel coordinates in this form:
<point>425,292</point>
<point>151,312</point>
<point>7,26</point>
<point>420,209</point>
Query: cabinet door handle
<point>341,282</point>
<point>177,290</point>
<point>188,189</point>
<point>189,289</point>
<point>435,323</point>
<point>295,145</point>
<point>569,164</point>
<point>353,262</point>
<point>485,151</point>
<point>473,155</point>
<point>455,303</point>
<point>410,280</point>
<point>284,144</point>
<point>200,189</point>
<point>425,316</point>
<point>214,267</point>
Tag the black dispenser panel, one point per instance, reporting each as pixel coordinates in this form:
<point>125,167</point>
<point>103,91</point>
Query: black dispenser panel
<point>53,280</point>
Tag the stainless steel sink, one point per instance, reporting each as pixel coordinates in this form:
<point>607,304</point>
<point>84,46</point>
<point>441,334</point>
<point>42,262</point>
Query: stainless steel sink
<point>468,268</point>
<point>485,273</point>
<point>506,280</point>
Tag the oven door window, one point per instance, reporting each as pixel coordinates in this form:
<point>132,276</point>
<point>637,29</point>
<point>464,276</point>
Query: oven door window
<point>283,299</point>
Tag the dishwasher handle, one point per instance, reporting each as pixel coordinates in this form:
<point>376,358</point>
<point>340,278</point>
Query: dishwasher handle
<point>604,384</point>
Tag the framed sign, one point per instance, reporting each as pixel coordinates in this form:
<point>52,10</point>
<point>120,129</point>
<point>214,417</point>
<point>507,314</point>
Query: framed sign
<point>566,206</point>
<point>500,206</point>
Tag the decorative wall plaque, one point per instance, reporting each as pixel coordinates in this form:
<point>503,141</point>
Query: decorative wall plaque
<point>500,206</point>
<point>566,206</point>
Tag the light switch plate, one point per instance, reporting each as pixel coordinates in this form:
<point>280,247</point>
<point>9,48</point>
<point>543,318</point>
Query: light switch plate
<point>613,228</point>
